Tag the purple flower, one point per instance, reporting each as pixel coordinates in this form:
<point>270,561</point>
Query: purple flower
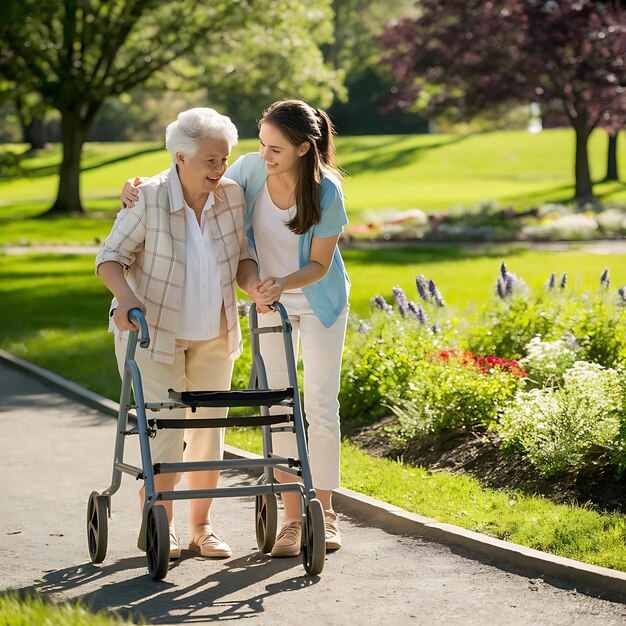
<point>422,287</point>
<point>604,279</point>
<point>509,283</point>
<point>435,293</point>
<point>501,287</point>
<point>563,280</point>
<point>380,303</point>
<point>550,282</point>
<point>503,270</point>
<point>418,311</point>
<point>364,327</point>
<point>621,292</point>
<point>401,300</point>
<point>243,306</point>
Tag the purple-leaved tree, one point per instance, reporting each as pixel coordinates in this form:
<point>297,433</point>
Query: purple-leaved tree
<point>464,56</point>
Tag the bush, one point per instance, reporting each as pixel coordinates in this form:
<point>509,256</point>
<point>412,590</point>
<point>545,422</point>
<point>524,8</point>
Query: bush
<point>507,326</point>
<point>451,390</point>
<point>546,361</point>
<point>379,360</point>
<point>582,421</point>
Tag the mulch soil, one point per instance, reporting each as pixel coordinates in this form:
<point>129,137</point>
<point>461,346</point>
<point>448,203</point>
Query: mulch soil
<point>478,454</point>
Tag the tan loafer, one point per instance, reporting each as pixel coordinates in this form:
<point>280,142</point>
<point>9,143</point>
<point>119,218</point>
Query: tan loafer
<point>333,536</point>
<point>174,547</point>
<point>210,546</point>
<point>289,540</point>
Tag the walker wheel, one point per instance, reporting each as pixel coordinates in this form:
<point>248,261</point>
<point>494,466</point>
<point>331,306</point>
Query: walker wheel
<point>266,518</point>
<point>97,526</point>
<point>157,542</point>
<point>313,538</point>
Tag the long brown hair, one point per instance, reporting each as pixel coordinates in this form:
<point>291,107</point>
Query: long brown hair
<point>301,123</point>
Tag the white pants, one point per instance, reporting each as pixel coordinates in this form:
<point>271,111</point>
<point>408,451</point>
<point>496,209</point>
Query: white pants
<point>321,355</point>
<point>198,366</point>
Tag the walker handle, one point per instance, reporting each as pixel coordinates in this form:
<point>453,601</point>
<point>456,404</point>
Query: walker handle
<point>136,317</point>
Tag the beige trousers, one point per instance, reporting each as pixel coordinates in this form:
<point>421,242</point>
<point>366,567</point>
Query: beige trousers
<point>198,366</point>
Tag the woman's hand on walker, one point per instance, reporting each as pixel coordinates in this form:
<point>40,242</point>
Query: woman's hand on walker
<point>130,195</point>
<point>270,290</point>
<point>262,306</point>
<point>121,312</point>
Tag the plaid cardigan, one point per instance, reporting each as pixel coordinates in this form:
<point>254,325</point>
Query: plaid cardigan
<point>149,242</point>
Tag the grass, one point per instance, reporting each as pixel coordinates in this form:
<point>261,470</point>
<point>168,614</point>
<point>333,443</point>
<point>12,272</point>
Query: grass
<point>54,314</point>
<point>430,172</point>
<point>569,531</point>
<point>16,610</point>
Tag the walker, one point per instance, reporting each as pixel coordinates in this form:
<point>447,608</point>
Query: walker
<point>154,527</point>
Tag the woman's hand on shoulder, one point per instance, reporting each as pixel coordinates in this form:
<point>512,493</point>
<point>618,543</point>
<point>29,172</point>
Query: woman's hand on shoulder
<point>130,195</point>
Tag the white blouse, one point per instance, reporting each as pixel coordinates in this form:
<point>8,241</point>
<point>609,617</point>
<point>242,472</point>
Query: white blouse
<point>201,303</point>
<point>276,245</point>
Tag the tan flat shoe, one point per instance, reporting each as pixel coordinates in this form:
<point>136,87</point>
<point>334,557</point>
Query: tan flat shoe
<point>289,540</point>
<point>333,536</point>
<point>174,547</point>
<point>210,546</point>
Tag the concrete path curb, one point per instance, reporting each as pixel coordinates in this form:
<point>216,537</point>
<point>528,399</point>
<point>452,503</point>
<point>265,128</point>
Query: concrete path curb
<point>373,512</point>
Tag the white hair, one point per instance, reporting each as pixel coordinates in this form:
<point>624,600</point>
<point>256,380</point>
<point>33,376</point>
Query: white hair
<point>194,125</point>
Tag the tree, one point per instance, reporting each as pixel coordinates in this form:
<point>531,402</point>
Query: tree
<point>275,56</point>
<point>466,55</point>
<point>77,53</point>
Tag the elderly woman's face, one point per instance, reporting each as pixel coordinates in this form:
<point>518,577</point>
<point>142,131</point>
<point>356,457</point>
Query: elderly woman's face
<point>202,172</point>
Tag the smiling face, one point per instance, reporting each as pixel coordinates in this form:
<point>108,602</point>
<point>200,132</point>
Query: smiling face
<point>202,172</point>
<point>279,154</point>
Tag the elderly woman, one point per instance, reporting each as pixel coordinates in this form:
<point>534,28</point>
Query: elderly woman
<point>175,256</point>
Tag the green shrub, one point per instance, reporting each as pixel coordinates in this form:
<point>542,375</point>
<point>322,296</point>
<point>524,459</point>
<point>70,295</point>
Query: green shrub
<point>452,390</point>
<point>508,325</point>
<point>379,359</point>
<point>581,421</point>
<point>546,361</point>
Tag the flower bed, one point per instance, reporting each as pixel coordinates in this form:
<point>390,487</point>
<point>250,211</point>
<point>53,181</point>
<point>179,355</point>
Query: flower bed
<point>544,370</point>
<point>491,223</point>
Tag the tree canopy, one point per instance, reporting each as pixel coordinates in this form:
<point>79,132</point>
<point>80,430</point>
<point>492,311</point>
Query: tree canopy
<point>467,55</point>
<point>77,53</point>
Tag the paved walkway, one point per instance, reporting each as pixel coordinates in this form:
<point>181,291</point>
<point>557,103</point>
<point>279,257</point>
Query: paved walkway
<point>56,451</point>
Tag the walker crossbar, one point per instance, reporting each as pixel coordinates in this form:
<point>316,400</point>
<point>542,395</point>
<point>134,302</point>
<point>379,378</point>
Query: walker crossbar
<point>216,422</point>
<point>238,397</point>
<point>230,492</point>
<point>199,466</point>
<point>269,329</point>
<point>137,472</point>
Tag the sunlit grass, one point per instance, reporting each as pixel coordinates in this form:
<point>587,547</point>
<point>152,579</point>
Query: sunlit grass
<point>36,609</point>
<point>430,172</point>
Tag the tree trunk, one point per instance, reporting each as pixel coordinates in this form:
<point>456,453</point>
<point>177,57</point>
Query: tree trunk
<point>584,186</point>
<point>73,137</point>
<point>611,157</point>
<point>35,134</point>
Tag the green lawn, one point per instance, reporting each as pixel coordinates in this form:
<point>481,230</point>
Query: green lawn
<point>430,172</point>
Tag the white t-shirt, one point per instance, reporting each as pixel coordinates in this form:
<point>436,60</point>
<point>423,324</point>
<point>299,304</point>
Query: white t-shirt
<point>276,245</point>
<point>201,302</point>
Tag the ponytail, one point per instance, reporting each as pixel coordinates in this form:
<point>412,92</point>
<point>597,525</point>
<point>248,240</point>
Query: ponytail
<point>326,143</point>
